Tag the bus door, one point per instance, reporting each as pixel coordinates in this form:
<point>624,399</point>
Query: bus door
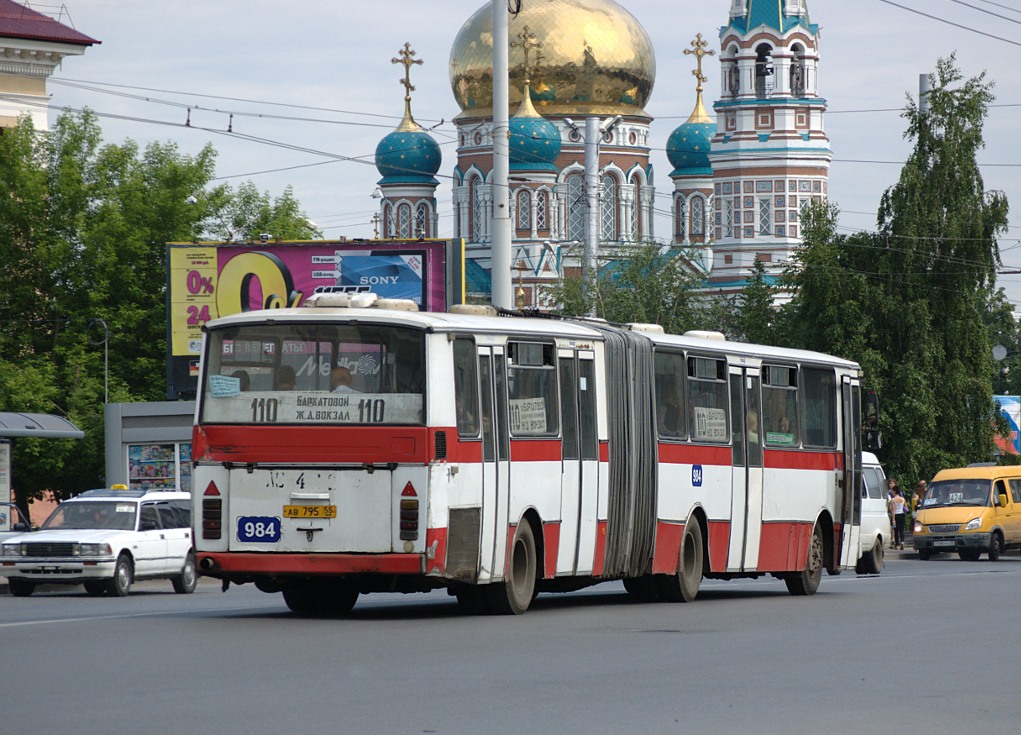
<point>495,463</point>
<point>746,495</point>
<point>849,485</point>
<point>580,462</point>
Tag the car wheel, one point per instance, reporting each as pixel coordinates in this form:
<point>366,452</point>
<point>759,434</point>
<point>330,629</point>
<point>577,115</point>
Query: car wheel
<point>806,582</point>
<point>995,546</point>
<point>185,582</point>
<point>21,587</point>
<point>120,584</point>
<point>95,587</point>
<point>873,560</point>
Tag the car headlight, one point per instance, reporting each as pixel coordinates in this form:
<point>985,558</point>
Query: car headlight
<point>919,528</point>
<point>12,550</point>
<point>974,524</point>
<point>94,550</point>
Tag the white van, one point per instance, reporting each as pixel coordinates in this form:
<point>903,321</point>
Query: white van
<point>875,522</point>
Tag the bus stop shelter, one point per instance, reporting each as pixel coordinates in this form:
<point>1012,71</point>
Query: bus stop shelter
<point>41,425</point>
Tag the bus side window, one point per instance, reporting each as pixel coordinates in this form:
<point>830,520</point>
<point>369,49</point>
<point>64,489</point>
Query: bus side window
<point>466,387</point>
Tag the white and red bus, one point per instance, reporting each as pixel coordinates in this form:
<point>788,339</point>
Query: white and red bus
<point>358,446</point>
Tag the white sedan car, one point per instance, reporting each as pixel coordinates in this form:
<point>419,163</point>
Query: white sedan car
<point>105,540</point>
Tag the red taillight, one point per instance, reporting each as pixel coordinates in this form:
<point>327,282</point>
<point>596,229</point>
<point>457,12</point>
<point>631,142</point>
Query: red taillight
<point>409,518</point>
<point>212,517</point>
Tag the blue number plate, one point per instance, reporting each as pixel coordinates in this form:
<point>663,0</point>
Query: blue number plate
<point>259,529</point>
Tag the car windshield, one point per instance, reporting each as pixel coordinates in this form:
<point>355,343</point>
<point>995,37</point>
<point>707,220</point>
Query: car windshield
<point>948,493</point>
<point>118,515</point>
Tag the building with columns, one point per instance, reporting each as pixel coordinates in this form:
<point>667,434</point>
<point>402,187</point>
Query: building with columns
<point>32,46</point>
<point>739,182</point>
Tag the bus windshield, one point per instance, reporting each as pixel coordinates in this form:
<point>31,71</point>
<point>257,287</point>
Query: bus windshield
<point>313,373</point>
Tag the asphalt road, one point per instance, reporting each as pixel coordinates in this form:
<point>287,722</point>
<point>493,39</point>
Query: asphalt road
<point>925,647</point>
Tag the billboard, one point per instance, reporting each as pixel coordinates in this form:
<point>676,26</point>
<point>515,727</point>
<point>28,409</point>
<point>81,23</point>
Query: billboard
<point>1010,409</point>
<point>209,280</point>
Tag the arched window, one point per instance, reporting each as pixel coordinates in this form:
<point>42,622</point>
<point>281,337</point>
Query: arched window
<point>404,220</point>
<point>608,210</point>
<point>524,210</point>
<point>763,70</point>
<point>389,221</point>
<point>422,220</point>
<point>476,210</point>
<point>698,216</point>
<point>797,71</point>
<point>575,208</point>
<point>541,210</point>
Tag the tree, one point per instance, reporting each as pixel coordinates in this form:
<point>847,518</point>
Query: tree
<point>647,285</point>
<point>83,233</point>
<point>912,302</point>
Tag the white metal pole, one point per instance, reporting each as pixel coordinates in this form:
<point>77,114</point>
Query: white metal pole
<point>591,273</point>
<point>501,233</point>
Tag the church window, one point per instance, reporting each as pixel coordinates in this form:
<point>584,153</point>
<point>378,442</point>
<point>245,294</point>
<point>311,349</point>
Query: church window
<point>541,209</point>
<point>608,210</point>
<point>765,216</point>
<point>698,216</point>
<point>389,226</point>
<point>764,70</point>
<point>575,208</point>
<point>476,191</point>
<point>422,220</point>
<point>524,210</point>
<point>404,220</point>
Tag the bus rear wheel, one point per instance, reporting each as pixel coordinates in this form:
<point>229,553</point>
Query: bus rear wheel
<point>320,599</point>
<point>806,582</point>
<point>683,585</point>
<point>513,596</point>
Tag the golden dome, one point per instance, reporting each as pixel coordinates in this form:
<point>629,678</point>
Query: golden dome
<point>595,59</point>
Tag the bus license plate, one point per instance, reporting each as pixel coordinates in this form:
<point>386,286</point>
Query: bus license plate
<point>310,511</point>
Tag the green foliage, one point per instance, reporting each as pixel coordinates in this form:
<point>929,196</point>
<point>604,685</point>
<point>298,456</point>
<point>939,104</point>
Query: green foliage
<point>83,233</point>
<point>913,303</point>
<point>646,285</point>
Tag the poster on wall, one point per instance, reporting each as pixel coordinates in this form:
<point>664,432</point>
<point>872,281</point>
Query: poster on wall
<point>1010,409</point>
<point>210,280</point>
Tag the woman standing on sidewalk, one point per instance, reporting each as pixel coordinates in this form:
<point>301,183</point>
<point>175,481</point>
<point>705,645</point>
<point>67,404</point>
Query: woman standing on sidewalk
<point>898,506</point>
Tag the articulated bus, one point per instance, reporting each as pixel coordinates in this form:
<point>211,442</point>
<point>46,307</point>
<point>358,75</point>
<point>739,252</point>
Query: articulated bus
<point>357,445</point>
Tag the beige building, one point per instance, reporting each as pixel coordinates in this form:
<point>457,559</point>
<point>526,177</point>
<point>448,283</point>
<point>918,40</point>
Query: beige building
<point>32,46</point>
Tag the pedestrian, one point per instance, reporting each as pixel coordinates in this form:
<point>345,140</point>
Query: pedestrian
<point>919,498</point>
<point>898,506</point>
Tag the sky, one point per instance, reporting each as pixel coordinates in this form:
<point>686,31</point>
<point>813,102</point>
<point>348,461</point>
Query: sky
<point>312,89</point>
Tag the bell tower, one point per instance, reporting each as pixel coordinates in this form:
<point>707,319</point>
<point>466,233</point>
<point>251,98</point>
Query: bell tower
<point>771,155</point>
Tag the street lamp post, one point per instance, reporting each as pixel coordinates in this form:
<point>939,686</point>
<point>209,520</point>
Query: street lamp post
<point>595,129</point>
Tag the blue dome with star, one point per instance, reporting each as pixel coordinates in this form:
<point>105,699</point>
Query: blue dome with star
<point>688,148</point>
<point>534,144</point>
<point>409,155</point>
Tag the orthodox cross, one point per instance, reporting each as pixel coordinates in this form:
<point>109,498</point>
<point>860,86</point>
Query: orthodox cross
<point>527,43</point>
<point>698,50</point>
<point>407,55</point>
